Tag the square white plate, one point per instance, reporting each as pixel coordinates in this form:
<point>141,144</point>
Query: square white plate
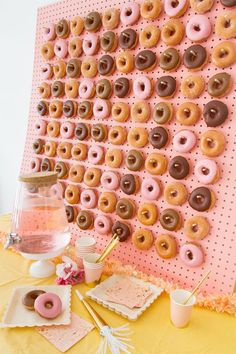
<point>16,315</point>
<point>98,294</point>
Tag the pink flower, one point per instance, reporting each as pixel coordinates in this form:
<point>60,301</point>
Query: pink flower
<point>68,272</point>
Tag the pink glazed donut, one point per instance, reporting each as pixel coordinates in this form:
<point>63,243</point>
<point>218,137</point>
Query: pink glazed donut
<point>198,28</point>
<point>184,141</point>
<point>206,171</point>
<point>61,48</point>
<point>90,43</point>
<point>57,190</point>
<point>191,255</point>
<point>46,71</point>
<point>142,87</point>
<point>175,8</point>
<point>35,164</point>
<point>67,130</point>
<point>48,305</point>
<point>86,88</point>
<point>101,108</point>
<point>49,33</point>
<point>110,180</point>
<point>129,14</point>
<point>95,155</point>
<point>150,189</point>
<point>40,127</point>
<point>102,224</point>
<point>88,198</point>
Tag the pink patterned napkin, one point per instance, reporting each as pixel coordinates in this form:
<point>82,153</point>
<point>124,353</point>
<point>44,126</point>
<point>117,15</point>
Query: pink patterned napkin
<point>64,337</point>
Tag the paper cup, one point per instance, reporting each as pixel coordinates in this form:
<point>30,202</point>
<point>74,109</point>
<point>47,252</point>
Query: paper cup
<point>85,245</point>
<point>92,270</point>
<point>180,314</point>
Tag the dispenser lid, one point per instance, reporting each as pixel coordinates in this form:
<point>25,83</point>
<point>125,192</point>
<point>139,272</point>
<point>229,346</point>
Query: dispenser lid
<point>39,178</point>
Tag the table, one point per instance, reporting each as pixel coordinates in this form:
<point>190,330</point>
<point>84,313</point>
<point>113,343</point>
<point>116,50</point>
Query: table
<point>153,333</point>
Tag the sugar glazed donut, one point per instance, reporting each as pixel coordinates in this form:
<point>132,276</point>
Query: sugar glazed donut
<point>166,246</point>
<point>197,227</point>
<point>143,239</point>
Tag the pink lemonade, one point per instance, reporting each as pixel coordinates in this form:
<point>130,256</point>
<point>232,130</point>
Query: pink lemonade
<point>42,229</point>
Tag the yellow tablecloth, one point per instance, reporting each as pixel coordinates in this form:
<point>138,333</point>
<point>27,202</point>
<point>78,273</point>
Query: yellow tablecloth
<point>208,333</point>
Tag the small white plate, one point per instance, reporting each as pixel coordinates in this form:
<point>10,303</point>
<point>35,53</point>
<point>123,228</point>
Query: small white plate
<point>98,294</point>
<point>16,315</point>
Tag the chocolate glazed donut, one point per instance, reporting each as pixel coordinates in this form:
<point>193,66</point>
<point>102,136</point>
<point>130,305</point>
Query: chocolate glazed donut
<point>42,108</point>
<point>103,88</point>
<point>125,208</point>
<point>46,165</point>
<point>61,169</point>
<point>169,59</point>
<point>84,220</point>
<point>122,230</point>
<point>73,68</point>
<point>195,56</point>
<point>58,89</point>
<point>228,3</point>
<point>93,22</point>
<point>200,199</point>
<point>128,38</point>
<point>162,113</point>
<point>128,184</point>
<point>98,132</point>
<point>145,59</point>
<point>62,29</point>
<point>81,131</point>
<point>219,84</point>
<point>106,65</point>
<point>70,213</point>
<point>108,41</point>
<point>179,167</point>
<point>158,137</point>
<point>134,160</point>
<point>85,109</point>
<point>170,219</point>
<point>38,146</point>
<point>166,86</point>
<point>69,108</point>
<point>215,113</point>
<point>121,87</point>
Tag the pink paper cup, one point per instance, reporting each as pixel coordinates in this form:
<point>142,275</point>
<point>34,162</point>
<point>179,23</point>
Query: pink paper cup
<point>180,314</point>
<point>92,270</point>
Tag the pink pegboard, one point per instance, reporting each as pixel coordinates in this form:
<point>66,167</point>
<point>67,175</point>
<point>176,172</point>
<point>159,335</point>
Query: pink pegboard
<point>220,244</point>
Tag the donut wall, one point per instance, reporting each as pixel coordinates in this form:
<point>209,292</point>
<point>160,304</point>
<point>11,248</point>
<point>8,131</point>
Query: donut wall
<point>140,124</point>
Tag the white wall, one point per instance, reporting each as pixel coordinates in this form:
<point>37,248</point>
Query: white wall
<point>17,32</point>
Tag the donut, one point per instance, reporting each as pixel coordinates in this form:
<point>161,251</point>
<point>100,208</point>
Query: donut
<point>50,148</point>
<point>99,132</point>
<point>44,90</point>
<point>143,239</point>
<point>35,164</point>
<point>120,111</point>
<point>58,89</point>
<point>67,130</point>
<point>110,18</point>
<point>129,13</point>
<point>117,135</point>
<point>151,9</point>
<point>106,65</point>
<point>122,230</point>
<point>212,143</point>
<point>219,85</point>
<point>125,208</point>
<point>110,180</point>
<point>175,8</point>
<point>228,3</point>
<point>158,137</point>
<point>201,6</point>
<point>69,108</point>
<point>191,255</point>
<point>138,137</point>
<point>71,88</point>
<point>55,109</point>
<point>62,29</point>
<point>109,41</point>
<point>71,213</point>
<point>64,150</point>
<point>46,71</point>
<point>149,36</point>
<point>48,305</point>
<point>85,220</point>
<point>76,25</point>
<point>207,171</point>
<point>145,60</point>
<point>147,214</point>
<point>92,177</point>
<point>58,190</point>
<point>49,32</point>
<point>88,199</point>
<point>166,246</point>
<point>224,54</point>
<point>170,220</point>
<point>79,152</point>
<point>195,57</point>
<point>202,199</point>
<point>85,109</point>
<point>102,224</point>
<point>178,167</point>
<point>197,227</point>
<point>143,87</point>
<point>61,48</point>
<point>121,87</point>
<point>93,22</point>
<point>61,169</point>
<point>89,67</point>
<point>184,141</point>
<point>53,129</point>
<point>175,193</point>
<point>188,113</point>
<point>163,112</point>
<point>198,28</point>
<point>225,25</point>
<point>46,165</point>
<point>72,194</point>
<point>192,86</point>
<point>170,59</point>
<point>166,86</point>
<point>76,173</point>
<point>156,164</point>
<point>59,69</point>
<point>95,155</point>
<point>74,68</point>
<point>134,160</point>
<point>29,298</point>
<point>172,32</point>
<point>107,202</point>
<point>38,146</point>
<point>47,51</point>
<point>125,62</point>
<point>140,112</point>
<point>104,88</point>
<point>128,39</point>
<point>42,108</point>
<point>215,113</point>
<point>129,184</point>
<point>150,189</point>
<point>114,158</point>
<point>86,88</point>
<point>91,44</point>
<point>101,108</point>
<point>40,127</point>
